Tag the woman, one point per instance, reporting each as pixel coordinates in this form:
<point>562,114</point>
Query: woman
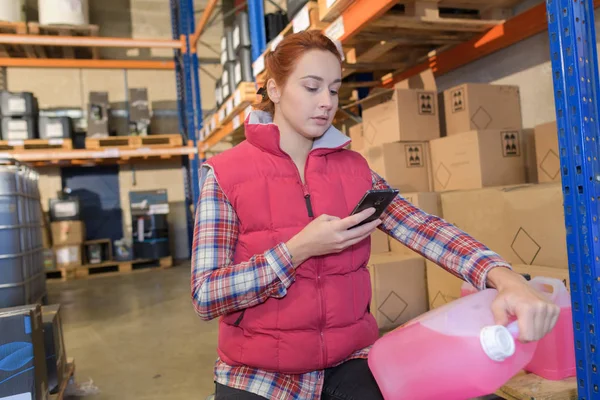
<point>275,258</point>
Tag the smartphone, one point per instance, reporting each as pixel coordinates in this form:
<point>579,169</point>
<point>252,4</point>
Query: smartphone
<point>378,199</point>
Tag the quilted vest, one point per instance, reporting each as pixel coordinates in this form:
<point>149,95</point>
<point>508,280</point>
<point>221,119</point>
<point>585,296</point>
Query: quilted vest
<point>324,317</point>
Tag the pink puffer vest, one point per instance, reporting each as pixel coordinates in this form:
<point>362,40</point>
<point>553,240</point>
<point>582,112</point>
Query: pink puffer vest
<point>324,316</point>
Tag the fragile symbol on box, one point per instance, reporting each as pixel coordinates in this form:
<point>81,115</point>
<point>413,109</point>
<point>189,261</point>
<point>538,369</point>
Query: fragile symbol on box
<point>458,102</point>
<point>510,144</point>
<point>550,164</point>
<point>426,106</point>
<point>525,247</point>
<point>393,307</point>
<point>414,155</point>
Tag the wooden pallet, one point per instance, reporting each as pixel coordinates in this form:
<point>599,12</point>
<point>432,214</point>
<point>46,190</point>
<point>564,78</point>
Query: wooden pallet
<point>35,28</point>
<point>532,387</point>
<point>69,376</point>
<point>108,268</point>
<point>36,144</point>
<point>14,28</point>
<point>134,142</point>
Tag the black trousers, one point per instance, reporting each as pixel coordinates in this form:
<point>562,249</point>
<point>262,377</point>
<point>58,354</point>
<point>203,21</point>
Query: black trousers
<point>351,380</point>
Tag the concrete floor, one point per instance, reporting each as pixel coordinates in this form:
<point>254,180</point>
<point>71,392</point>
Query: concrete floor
<point>137,335</point>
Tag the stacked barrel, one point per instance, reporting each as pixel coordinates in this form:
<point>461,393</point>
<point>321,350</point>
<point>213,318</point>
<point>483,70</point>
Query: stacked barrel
<point>22,279</point>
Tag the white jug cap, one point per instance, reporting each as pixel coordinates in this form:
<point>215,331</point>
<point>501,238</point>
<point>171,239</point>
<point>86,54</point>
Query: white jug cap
<point>497,342</point>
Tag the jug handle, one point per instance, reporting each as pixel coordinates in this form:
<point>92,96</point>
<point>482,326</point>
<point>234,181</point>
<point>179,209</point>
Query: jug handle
<point>557,285</point>
<point>513,328</point>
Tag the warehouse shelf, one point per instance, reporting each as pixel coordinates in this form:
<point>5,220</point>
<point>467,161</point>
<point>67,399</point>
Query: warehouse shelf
<point>230,116</point>
<point>514,30</point>
<point>88,156</point>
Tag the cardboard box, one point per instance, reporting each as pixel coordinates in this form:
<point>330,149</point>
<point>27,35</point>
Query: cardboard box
<point>399,290</point>
<point>479,106</point>
<point>380,242</point>
<point>428,202</point>
<point>56,358</point>
<point>68,256</point>
<point>410,115</point>
<point>356,135</point>
<point>442,286</point>
<point>404,165</point>
<point>549,272</point>
<point>22,341</point>
<point>477,159</point>
<point>67,233</point>
<point>546,153</point>
<point>524,224</point>
<point>531,169</point>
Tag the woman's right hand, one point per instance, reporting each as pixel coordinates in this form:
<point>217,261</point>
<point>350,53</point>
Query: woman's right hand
<point>327,234</point>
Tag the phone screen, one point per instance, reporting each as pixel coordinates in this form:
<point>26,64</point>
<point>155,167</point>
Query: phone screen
<point>378,199</point>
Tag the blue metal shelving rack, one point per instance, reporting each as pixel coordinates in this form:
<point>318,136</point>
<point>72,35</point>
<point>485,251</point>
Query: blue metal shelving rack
<point>188,98</point>
<point>575,76</point>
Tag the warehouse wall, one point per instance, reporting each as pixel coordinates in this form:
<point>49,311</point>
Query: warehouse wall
<point>526,64</point>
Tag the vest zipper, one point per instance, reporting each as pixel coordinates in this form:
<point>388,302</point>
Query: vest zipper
<point>307,201</point>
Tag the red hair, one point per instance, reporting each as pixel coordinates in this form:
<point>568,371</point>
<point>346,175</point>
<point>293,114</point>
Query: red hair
<point>280,63</point>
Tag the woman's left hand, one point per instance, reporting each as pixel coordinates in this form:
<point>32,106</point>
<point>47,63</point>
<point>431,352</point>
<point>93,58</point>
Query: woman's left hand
<point>536,315</point>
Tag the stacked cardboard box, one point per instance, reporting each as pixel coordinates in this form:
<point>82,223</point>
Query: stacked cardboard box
<point>68,238</point>
<point>476,178</point>
<point>397,126</point>
<point>483,147</point>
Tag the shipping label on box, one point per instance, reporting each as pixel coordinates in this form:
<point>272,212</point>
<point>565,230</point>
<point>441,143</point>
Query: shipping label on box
<point>411,115</point>
<point>67,232</point>
<point>546,152</point>
<point>426,201</point>
<point>476,106</point>
<point>404,165</point>
<point>68,256</point>
<point>477,159</point>
<point>399,290</point>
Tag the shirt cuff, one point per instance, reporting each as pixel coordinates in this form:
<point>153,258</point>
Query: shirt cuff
<point>280,260</point>
<point>482,281</point>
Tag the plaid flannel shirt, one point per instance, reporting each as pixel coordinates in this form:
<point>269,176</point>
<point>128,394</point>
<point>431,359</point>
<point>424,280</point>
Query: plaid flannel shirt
<point>219,287</point>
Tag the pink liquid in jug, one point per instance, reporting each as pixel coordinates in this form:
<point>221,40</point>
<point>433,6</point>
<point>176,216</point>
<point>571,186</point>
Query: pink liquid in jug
<point>554,358</point>
<point>442,354</point>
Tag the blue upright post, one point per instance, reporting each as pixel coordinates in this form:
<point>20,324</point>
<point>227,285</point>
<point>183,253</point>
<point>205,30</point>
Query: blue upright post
<point>575,75</point>
<point>176,32</point>
<point>258,35</point>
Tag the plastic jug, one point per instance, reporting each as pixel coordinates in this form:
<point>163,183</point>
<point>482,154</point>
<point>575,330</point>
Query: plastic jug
<point>554,357</point>
<point>467,289</point>
<point>452,352</point>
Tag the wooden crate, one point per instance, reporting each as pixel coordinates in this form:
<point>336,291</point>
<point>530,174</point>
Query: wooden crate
<point>35,28</point>
<point>36,144</point>
<point>15,50</point>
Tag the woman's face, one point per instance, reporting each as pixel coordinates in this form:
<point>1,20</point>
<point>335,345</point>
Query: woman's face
<point>309,100</point>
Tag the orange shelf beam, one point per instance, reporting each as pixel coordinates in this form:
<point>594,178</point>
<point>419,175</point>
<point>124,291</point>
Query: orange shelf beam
<point>81,63</point>
<point>210,7</point>
<point>88,41</point>
<point>514,30</point>
<point>361,13</point>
